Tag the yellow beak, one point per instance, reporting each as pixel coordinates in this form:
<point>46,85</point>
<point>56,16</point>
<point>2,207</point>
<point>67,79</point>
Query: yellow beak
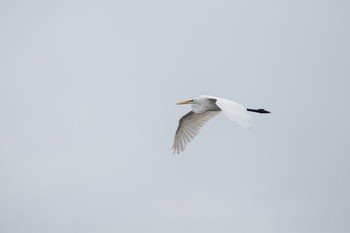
<point>184,102</point>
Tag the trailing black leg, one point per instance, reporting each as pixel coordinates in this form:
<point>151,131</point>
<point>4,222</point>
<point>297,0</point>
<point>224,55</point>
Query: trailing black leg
<point>260,110</point>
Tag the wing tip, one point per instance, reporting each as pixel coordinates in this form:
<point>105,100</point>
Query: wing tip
<point>177,149</point>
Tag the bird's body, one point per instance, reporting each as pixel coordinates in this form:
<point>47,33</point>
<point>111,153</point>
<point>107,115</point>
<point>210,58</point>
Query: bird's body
<point>205,108</point>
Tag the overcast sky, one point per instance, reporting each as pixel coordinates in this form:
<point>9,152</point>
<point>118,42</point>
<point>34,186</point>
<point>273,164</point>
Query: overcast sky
<point>88,115</point>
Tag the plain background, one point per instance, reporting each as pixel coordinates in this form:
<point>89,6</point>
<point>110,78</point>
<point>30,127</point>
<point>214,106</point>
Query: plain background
<point>88,115</point>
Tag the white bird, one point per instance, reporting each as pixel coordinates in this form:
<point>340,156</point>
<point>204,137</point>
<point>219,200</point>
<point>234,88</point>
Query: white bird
<point>205,108</point>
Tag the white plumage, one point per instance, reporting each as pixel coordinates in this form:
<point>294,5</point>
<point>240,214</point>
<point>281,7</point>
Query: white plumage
<point>205,108</point>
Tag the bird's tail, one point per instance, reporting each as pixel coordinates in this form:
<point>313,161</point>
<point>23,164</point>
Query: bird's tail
<point>260,110</point>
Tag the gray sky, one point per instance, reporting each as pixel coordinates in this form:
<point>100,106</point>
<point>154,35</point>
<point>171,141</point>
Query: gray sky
<point>88,115</point>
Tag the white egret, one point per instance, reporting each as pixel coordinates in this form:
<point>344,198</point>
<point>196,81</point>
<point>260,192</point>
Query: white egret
<point>205,108</point>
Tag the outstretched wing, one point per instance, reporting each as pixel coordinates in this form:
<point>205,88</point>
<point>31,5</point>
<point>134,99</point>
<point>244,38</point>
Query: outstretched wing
<point>189,126</point>
<point>235,112</point>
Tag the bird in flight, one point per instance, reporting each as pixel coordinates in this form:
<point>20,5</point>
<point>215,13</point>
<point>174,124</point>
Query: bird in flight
<point>205,108</point>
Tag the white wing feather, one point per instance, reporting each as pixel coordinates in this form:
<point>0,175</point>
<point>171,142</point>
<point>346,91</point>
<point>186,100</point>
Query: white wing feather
<point>189,126</point>
<point>235,112</point>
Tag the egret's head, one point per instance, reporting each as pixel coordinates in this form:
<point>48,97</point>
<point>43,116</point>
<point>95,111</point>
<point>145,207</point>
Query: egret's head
<point>191,101</point>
